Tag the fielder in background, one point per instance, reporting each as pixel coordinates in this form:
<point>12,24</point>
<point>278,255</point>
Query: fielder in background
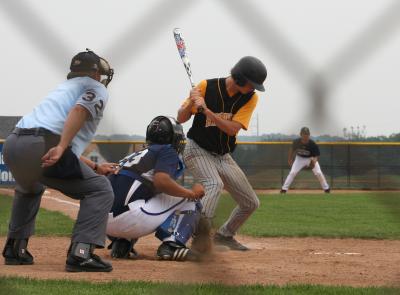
<point>226,106</point>
<point>45,150</point>
<point>148,199</point>
<point>307,153</point>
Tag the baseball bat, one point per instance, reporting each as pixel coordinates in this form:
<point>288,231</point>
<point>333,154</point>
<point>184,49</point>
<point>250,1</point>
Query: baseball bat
<point>181,45</point>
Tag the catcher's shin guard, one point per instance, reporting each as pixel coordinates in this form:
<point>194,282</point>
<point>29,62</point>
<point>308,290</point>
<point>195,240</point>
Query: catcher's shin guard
<point>16,253</point>
<point>180,225</point>
<point>174,251</point>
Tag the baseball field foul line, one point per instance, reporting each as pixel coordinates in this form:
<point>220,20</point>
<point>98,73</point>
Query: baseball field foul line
<point>59,200</point>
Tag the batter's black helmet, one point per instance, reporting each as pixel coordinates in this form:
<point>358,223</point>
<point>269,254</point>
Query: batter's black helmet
<point>250,69</point>
<point>88,61</point>
<point>166,130</point>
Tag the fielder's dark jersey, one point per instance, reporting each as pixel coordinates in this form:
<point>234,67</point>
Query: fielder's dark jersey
<point>307,150</point>
<point>238,107</point>
<point>135,180</point>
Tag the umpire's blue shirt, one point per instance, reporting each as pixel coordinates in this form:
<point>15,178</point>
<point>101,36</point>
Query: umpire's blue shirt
<point>52,112</point>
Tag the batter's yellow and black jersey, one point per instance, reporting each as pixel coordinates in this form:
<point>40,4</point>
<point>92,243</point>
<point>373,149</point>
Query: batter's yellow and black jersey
<point>238,108</point>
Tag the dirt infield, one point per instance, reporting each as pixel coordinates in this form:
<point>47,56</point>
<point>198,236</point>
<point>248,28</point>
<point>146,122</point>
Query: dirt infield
<point>280,261</point>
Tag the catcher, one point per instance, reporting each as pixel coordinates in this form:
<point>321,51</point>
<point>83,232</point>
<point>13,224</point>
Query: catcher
<point>148,199</point>
<point>307,153</point>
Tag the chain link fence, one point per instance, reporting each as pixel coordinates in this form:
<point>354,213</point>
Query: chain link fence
<point>350,165</point>
<point>345,165</point>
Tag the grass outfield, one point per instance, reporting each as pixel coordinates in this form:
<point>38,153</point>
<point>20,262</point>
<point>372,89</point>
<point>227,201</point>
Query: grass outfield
<point>353,215</point>
<point>48,223</point>
<point>18,286</point>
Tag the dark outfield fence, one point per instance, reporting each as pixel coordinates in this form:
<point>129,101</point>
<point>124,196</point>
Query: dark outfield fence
<point>346,165</point>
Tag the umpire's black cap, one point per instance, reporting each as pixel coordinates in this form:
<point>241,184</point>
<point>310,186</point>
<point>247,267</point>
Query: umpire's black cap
<point>86,61</point>
<point>305,131</point>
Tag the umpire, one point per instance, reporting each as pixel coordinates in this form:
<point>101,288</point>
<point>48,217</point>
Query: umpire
<point>45,150</point>
<point>226,106</point>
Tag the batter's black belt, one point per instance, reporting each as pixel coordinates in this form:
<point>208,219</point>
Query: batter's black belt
<point>32,131</point>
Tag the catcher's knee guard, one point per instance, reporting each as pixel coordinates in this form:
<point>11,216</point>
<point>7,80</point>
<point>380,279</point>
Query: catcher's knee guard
<point>176,252</point>
<point>180,224</point>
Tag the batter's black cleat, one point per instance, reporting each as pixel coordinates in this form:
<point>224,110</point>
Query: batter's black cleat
<point>80,258</point>
<point>327,191</point>
<point>16,253</point>
<point>176,252</point>
<point>229,242</point>
<point>123,249</point>
<point>283,191</point>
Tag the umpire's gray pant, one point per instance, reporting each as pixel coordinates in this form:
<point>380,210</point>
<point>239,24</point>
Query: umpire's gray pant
<point>215,172</point>
<point>22,154</point>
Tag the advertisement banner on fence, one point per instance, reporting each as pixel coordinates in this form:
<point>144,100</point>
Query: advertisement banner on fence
<point>5,175</point>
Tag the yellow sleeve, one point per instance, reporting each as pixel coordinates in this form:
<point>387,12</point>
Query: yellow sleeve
<point>202,86</point>
<point>243,115</point>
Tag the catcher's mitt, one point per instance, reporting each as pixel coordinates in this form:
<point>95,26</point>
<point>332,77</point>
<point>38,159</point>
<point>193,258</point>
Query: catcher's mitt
<point>311,165</point>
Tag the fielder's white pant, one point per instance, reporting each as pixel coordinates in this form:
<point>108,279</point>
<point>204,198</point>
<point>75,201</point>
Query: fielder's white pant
<point>144,218</point>
<point>298,164</point>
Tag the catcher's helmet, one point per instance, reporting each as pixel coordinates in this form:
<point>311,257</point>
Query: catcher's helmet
<point>166,130</point>
<point>88,61</point>
<point>250,69</point>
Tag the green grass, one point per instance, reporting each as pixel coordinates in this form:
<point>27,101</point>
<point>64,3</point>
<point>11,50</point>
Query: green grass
<point>16,286</point>
<point>48,223</point>
<point>358,215</point>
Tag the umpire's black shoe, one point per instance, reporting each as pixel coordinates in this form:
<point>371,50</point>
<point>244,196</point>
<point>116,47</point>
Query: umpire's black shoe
<point>81,258</point>
<point>283,191</point>
<point>16,253</point>
<point>174,251</point>
<point>327,191</point>
<point>229,242</point>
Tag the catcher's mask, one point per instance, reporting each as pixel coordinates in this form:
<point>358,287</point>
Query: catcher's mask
<point>249,69</point>
<point>89,62</point>
<point>166,130</point>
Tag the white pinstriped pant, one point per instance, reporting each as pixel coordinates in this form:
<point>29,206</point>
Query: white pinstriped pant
<point>215,173</point>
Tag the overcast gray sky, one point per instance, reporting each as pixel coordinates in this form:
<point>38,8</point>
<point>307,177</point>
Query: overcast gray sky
<point>293,39</point>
